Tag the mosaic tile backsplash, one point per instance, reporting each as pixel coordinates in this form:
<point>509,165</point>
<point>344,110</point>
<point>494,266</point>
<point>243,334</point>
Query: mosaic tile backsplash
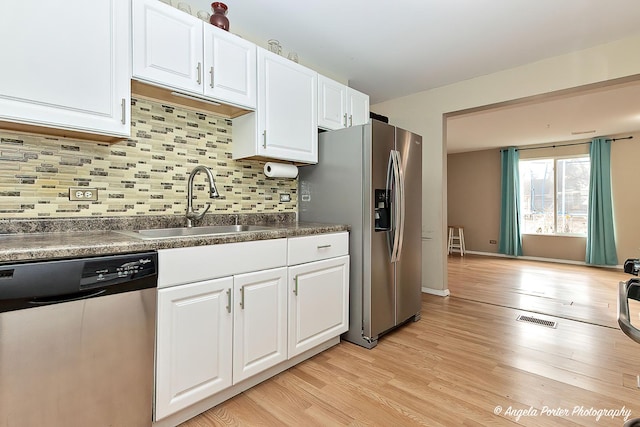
<point>144,175</point>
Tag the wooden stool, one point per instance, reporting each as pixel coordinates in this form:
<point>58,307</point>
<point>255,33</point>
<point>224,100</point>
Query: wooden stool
<point>456,241</point>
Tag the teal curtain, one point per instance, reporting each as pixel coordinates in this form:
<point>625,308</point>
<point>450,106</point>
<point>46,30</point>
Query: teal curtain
<point>510,239</point>
<point>601,244</point>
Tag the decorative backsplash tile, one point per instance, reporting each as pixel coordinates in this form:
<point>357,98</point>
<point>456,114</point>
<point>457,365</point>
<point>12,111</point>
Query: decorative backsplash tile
<point>145,175</point>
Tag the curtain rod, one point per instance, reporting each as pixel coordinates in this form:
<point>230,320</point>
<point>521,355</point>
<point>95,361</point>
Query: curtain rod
<point>567,145</point>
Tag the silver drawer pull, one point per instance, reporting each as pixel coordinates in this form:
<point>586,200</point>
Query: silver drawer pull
<point>323,246</point>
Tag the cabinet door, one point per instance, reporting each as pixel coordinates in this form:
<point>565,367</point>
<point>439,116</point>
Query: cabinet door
<point>287,109</point>
<point>358,107</point>
<point>193,347</point>
<point>230,66</point>
<point>167,46</point>
<point>318,303</point>
<point>260,322</point>
<point>66,65</point>
<point>332,104</point>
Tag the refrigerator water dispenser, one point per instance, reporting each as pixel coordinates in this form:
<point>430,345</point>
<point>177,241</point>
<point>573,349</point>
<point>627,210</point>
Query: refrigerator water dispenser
<point>382,211</point>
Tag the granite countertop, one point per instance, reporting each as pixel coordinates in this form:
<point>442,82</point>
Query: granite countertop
<point>64,244</point>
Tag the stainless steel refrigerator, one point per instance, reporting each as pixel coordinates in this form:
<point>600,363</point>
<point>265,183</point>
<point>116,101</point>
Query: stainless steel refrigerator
<point>370,177</point>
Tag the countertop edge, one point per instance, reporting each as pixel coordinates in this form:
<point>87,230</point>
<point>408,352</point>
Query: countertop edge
<point>47,246</point>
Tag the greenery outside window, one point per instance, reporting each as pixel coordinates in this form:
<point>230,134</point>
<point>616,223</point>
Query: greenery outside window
<point>554,195</point>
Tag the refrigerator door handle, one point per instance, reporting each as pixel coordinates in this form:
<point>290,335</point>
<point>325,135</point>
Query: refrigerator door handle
<point>397,194</point>
<point>392,219</point>
<point>402,203</point>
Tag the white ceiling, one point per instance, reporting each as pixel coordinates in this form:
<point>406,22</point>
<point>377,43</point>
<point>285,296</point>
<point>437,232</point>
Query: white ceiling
<point>391,49</point>
<point>606,111</point>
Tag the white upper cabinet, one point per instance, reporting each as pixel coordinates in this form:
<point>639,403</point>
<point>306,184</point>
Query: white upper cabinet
<point>340,106</point>
<point>332,104</point>
<point>167,46</point>
<point>357,107</point>
<point>285,123</point>
<point>65,65</point>
<point>230,66</point>
<point>176,50</point>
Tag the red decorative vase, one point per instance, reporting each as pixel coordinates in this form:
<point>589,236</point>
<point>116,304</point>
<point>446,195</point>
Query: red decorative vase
<point>219,18</point>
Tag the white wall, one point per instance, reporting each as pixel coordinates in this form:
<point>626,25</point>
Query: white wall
<point>423,113</point>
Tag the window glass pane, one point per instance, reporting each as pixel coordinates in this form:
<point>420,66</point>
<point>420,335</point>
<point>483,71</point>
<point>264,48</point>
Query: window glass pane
<point>537,196</point>
<point>572,195</point>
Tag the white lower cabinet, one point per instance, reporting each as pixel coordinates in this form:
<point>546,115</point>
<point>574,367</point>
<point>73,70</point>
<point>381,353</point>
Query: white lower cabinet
<point>194,343</point>
<point>260,322</point>
<point>318,302</point>
<point>216,336</point>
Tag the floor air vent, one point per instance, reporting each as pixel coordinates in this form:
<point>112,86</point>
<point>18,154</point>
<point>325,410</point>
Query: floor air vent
<point>536,321</point>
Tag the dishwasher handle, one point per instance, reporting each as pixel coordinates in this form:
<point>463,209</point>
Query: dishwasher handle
<point>76,296</point>
<point>626,290</point>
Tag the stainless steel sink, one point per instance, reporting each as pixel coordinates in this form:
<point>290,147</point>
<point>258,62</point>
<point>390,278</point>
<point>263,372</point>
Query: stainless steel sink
<point>162,233</point>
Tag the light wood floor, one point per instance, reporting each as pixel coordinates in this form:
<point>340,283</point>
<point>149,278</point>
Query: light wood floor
<point>462,360</point>
<point>587,294</point>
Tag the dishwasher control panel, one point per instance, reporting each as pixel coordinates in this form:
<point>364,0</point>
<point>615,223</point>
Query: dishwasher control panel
<point>35,284</point>
<point>113,270</point>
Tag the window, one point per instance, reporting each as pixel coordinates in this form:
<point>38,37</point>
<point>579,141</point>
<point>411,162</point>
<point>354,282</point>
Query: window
<point>554,195</point>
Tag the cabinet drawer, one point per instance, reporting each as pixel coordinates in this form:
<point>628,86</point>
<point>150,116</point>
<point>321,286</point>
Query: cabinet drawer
<point>197,263</point>
<point>317,247</point>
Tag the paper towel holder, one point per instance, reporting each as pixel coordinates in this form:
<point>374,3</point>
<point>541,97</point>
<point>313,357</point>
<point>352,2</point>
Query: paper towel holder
<point>280,170</point>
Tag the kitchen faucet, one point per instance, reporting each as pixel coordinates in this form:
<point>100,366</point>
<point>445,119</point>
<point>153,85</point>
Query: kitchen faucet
<point>213,193</point>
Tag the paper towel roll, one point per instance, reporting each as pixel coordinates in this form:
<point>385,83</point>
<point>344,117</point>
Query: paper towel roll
<point>280,170</point>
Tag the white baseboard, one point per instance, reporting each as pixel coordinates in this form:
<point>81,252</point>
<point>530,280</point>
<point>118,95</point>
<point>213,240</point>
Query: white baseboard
<point>535,258</point>
<point>438,292</point>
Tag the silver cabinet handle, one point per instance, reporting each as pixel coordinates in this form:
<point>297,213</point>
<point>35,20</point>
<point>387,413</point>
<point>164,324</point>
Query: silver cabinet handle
<point>199,68</point>
<point>211,72</point>
<point>295,289</point>
<point>123,104</point>
<point>264,139</point>
<point>350,120</point>
<point>228,300</point>
<point>323,246</point>
<point>242,297</point>
<point>345,119</point>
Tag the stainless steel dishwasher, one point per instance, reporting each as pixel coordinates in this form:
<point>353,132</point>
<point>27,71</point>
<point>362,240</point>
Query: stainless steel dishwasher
<point>77,341</point>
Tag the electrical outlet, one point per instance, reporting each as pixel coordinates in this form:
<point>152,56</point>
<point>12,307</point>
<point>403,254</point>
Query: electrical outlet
<point>285,197</point>
<point>82,194</point>
<point>493,242</point>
